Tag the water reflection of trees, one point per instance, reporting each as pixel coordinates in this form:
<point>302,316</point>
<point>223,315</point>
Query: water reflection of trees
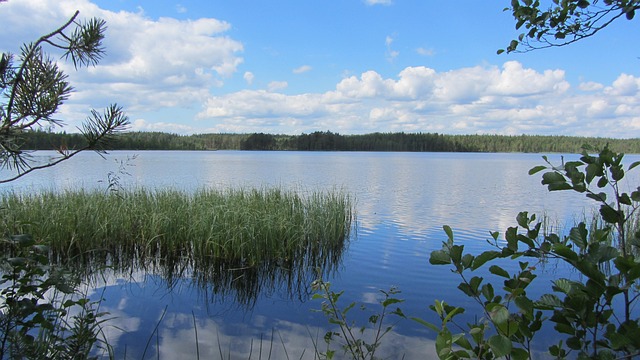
<point>215,279</point>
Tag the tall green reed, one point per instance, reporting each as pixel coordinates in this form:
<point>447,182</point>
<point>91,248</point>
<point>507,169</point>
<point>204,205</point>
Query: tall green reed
<point>236,238</point>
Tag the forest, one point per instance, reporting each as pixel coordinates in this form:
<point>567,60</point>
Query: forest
<point>330,141</point>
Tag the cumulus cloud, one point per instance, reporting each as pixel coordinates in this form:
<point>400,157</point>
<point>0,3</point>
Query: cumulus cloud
<point>624,85</point>
<point>510,99</point>
<point>155,64</point>
<point>149,64</point>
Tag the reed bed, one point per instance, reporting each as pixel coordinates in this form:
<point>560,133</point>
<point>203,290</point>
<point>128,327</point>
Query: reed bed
<point>205,231</point>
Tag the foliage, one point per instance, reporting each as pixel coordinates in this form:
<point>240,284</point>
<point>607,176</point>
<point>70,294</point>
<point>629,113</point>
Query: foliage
<point>114,178</point>
<point>239,242</point>
<point>41,314</point>
<point>259,141</point>
<point>36,87</point>
<point>565,21</point>
<point>354,338</point>
<point>330,141</point>
<point>593,312</point>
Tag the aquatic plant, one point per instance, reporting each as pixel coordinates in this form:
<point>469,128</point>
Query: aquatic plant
<point>245,239</point>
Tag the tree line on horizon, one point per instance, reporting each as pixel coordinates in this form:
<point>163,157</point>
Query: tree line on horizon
<point>330,141</point>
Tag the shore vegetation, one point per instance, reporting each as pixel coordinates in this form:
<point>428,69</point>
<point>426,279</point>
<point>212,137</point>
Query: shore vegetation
<point>331,141</point>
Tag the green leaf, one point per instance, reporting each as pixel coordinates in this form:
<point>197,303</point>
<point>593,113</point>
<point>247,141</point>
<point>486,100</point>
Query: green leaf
<point>448,231</point>
<point>456,253</point>
<point>498,313</point>
<point>17,261</point>
<point>565,252</point>
<point>536,169</point>
<point>461,340</point>
<point>483,258</point>
<point>602,182</point>
<point>583,4</point>
<point>443,343</point>
<point>617,172</point>
<point>563,285</point>
<point>633,165</point>
<point>426,324</point>
<point>630,14</point>
<point>591,271</point>
<point>592,170</point>
<point>574,343</point>
<point>524,304</point>
<point>497,270</point>
<point>555,181</point>
<point>391,301</point>
<point>439,257</point>
<point>523,219</point>
<point>578,235</point>
<point>453,312</point>
<point>548,302</point>
<point>487,291</point>
<point>624,199</point>
<point>23,240</point>
<point>519,354</point>
<point>611,215</point>
<point>500,345</point>
<point>601,197</point>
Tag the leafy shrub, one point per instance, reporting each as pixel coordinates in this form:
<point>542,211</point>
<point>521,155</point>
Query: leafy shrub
<point>42,315</point>
<point>592,315</point>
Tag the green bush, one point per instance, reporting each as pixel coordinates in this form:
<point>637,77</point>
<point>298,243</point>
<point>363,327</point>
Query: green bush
<point>42,313</point>
<point>592,315</point>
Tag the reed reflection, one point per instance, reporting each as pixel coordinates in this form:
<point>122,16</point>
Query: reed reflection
<point>229,244</point>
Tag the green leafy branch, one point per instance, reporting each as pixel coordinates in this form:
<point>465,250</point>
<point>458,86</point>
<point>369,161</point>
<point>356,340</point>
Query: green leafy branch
<point>36,88</point>
<point>352,335</point>
<point>584,311</point>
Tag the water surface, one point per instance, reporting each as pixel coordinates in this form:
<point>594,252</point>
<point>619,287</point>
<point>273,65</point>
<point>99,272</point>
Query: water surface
<point>402,202</point>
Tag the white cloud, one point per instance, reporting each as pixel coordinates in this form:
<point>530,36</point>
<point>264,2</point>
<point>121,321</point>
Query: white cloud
<point>388,41</point>
<point>248,77</point>
<point>302,69</point>
<point>150,64</point>
<point>625,85</point>
<point>181,9</point>
<point>165,63</point>
<point>391,54</point>
<point>425,52</point>
<point>143,125</point>
<point>277,85</point>
<point>510,99</point>
<point>590,86</point>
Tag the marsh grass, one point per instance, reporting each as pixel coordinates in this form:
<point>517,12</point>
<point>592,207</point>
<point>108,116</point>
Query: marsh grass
<point>242,238</point>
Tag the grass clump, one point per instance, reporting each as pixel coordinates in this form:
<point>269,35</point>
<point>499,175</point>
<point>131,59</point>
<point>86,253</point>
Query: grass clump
<point>204,231</point>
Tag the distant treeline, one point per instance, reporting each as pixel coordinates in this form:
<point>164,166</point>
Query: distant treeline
<point>329,141</point>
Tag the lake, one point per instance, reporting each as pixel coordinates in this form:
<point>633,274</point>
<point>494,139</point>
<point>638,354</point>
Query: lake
<point>402,201</point>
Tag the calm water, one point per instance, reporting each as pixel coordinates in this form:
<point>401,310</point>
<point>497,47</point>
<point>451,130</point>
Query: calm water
<point>402,201</point>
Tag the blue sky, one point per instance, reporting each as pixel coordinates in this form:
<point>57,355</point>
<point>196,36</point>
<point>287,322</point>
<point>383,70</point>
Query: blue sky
<point>348,66</point>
